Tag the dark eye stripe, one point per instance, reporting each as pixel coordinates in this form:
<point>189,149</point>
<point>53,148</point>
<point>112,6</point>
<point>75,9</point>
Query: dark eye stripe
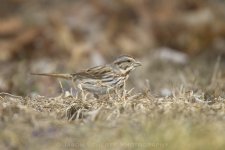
<point>124,61</point>
<point>124,66</point>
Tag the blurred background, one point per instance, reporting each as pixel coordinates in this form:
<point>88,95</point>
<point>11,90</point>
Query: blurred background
<point>178,41</point>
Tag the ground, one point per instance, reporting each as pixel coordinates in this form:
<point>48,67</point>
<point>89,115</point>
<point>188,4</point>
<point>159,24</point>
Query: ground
<point>190,117</point>
<point>176,100</point>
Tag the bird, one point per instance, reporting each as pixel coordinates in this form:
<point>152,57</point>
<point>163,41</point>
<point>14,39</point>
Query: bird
<point>101,79</point>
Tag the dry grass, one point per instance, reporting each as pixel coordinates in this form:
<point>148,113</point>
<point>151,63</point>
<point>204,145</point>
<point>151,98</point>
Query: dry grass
<point>181,107</point>
<point>187,119</point>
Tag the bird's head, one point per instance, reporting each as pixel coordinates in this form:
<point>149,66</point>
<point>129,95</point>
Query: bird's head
<point>126,64</point>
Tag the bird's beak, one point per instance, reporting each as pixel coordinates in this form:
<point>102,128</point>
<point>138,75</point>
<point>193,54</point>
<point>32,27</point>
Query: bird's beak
<point>137,64</point>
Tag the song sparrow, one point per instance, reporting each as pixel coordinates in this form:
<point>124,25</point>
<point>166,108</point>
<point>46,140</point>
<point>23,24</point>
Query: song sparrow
<point>101,79</point>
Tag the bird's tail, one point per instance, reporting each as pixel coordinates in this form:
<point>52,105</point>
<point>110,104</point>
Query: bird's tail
<point>56,75</point>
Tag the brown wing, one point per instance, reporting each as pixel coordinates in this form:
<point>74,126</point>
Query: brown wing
<point>94,73</point>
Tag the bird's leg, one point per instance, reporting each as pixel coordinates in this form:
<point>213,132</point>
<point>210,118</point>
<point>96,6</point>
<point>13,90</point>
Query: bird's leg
<point>81,92</point>
<point>76,88</point>
<point>108,92</point>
